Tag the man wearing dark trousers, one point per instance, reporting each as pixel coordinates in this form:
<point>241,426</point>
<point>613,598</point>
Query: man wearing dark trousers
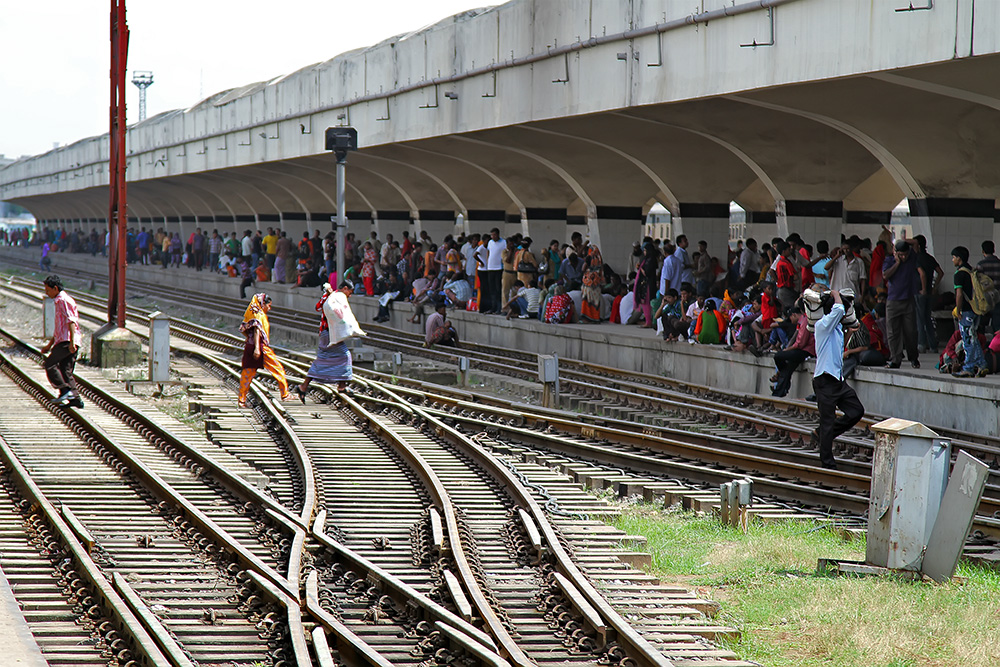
<point>831,390</point>
<point>64,344</point>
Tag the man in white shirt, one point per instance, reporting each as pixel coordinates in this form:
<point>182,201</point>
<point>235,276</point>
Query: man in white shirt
<point>494,272</point>
<point>469,253</point>
<point>846,268</point>
<point>246,245</point>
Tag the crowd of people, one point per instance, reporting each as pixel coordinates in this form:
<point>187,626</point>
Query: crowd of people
<point>749,301</point>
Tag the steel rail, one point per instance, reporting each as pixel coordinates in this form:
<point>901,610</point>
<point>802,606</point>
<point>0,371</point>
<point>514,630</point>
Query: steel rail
<point>845,479</point>
<point>138,634</point>
<point>531,426</point>
<point>154,482</point>
<point>688,389</point>
<point>771,426</point>
<point>706,473</point>
<point>637,648</point>
<point>458,632</point>
<point>507,645</point>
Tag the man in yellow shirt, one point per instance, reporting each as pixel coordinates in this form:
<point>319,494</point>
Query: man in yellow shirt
<point>270,244</point>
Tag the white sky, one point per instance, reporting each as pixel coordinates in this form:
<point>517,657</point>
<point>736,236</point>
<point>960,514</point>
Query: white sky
<point>55,54</point>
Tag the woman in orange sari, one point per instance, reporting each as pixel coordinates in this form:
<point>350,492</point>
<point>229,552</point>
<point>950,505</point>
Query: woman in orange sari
<point>257,352</point>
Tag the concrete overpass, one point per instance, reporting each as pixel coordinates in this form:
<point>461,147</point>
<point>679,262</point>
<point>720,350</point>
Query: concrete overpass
<point>814,115</point>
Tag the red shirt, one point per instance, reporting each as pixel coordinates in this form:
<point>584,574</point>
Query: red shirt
<point>786,273</point>
<point>807,273</point>
<point>768,311</point>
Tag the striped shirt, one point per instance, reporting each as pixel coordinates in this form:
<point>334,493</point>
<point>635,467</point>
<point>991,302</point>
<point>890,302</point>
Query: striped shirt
<point>66,313</point>
<point>990,265</point>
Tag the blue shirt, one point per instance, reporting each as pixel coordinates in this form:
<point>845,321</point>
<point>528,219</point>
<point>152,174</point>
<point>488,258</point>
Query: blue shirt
<point>687,274</point>
<point>820,274</point>
<point>830,343</point>
<point>670,273</point>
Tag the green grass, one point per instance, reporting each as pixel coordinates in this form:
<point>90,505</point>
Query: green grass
<point>789,616</point>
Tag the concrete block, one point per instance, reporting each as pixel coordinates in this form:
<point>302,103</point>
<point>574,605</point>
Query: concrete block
<point>115,348</point>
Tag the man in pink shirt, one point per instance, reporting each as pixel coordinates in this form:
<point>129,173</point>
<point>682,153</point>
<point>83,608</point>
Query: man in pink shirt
<point>64,345</point>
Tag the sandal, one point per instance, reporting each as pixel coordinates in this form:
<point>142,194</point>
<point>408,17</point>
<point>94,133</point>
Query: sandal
<point>302,394</point>
<point>241,404</point>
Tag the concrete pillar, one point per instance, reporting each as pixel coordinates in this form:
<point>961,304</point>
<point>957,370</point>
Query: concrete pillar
<point>705,222</point>
<point>614,231</point>
<point>864,224</point>
<point>815,220</point>
<point>544,225</point>
<point>953,222</point>
<point>762,226</point>
<point>437,224</point>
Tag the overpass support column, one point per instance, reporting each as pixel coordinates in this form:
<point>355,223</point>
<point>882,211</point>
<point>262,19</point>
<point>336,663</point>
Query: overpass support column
<point>614,230</point>
<point>546,224</point>
<point>705,222</point>
<point>953,222</point>
<point>815,220</point>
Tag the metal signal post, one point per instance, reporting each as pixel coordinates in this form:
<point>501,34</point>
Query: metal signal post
<point>340,140</point>
<point>118,206</point>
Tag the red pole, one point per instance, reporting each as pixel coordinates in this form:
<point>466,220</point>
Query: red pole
<point>118,207</point>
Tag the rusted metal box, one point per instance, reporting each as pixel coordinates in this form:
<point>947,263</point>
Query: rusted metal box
<point>909,476</point>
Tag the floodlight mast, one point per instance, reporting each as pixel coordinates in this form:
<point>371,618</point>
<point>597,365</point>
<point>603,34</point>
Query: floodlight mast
<point>142,80</point>
<point>340,140</point>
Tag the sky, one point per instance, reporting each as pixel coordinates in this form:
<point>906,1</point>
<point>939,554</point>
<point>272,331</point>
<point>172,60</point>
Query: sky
<point>55,54</point>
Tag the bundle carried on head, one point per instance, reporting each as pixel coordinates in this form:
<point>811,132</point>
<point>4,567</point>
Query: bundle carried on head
<point>818,301</point>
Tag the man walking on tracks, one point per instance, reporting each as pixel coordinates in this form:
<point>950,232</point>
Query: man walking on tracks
<point>831,390</point>
<point>64,344</point>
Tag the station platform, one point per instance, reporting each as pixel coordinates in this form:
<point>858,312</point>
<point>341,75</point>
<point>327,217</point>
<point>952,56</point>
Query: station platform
<point>923,395</point>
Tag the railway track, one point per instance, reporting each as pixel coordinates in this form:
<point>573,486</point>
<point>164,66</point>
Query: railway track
<point>175,557</point>
<point>684,433</point>
<point>648,410</point>
<point>478,555</point>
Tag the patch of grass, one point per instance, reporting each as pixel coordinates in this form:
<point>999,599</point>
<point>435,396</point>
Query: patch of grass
<point>791,617</point>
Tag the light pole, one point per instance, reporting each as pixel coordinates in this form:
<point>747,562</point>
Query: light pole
<point>340,140</point>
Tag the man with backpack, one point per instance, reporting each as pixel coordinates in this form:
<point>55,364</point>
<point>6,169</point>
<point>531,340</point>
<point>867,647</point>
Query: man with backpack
<point>966,284</point>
